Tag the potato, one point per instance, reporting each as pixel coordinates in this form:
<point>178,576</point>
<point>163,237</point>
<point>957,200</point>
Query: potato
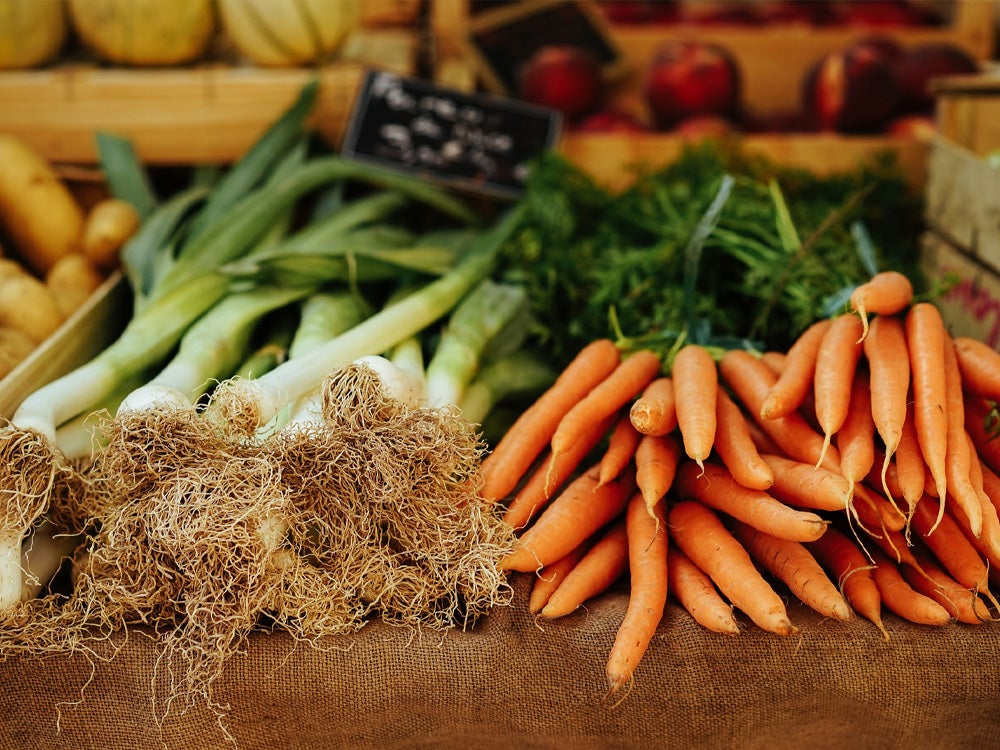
<point>109,225</point>
<point>27,305</point>
<point>71,281</point>
<point>37,210</point>
<point>15,346</point>
<point>32,32</point>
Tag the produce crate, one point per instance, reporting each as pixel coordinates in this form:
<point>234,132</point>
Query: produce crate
<point>773,61</point>
<point>211,112</point>
<point>962,205</point>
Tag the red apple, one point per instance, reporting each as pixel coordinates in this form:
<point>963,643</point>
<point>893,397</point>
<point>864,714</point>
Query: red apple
<point>880,14</point>
<point>920,65</point>
<point>689,78</point>
<point>610,121</point>
<point>851,91</point>
<point>563,77</point>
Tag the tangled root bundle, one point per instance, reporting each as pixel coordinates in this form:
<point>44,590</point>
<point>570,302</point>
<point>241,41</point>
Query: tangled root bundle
<point>202,536</point>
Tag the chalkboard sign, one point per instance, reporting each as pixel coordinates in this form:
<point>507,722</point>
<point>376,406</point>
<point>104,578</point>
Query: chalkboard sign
<point>504,39</point>
<point>478,142</point>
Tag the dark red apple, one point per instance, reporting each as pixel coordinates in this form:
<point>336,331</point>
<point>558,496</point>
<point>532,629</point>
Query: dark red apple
<point>880,14</point>
<point>610,121</point>
<point>920,65</point>
<point>563,77</point>
<point>689,78</point>
<point>851,91</point>
<point>890,50</point>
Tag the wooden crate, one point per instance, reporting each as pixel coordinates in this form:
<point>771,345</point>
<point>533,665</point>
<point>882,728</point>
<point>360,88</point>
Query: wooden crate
<point>968,110</point>
<point>206,113</point>
<point>773,61</point>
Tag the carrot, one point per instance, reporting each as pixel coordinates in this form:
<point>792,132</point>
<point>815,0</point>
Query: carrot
<point>836,364</point>
<point>925,337</point>
<point>735,446</point>
<point>890,517</point>
<point>655,466</point>
<point>524,441</point>
<point>774,360</point>
<point>626,381</point>
<point>716,488</point>
<point>803,485</point>
<point>980,366</point>
<point>893,542</point>
<point>549,578</point>
<point>696,381</point>
<point>705,540</point>
<point>958,460</point>
<point>979,418</point>
<point>548,477</point>
<point>655,411</point>
<point>796,378</point>
<point>885,293</point>
<point>889,382</point>
<point>622,442</point>
<point>952,549</point>
<point>573,515</point>
<point>592,574</point>
<point>647,563</point>
<point>964,605</point>
<point>794,565</point>
<point>845,561</point>
<point>750,381</point>
<point>900,597</point>
<point>696,593</point>
<point>911,470</point>
<point>856,439</point>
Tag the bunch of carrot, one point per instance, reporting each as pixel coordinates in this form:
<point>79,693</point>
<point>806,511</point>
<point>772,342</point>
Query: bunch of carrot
<point>856,471</point>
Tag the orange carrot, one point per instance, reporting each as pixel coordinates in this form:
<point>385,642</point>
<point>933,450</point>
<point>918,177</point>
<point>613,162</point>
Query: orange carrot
<point>796,378</point>
<point>900,597</point>
<point>622,442</point>
<point>735,446</point>
<point>803,485</point>
<point>549,578</point>
<point>705,540</point>
<point>911,471</point>
<point>573,515</point>
<point>647,564</point>
<point>980,366</point>
<point>549,476</point>
<point>856,439</point>
<point>593,573</point>
<point>655,411</point>
<point>716,488</point>
<point>958,460</point>
<point>696,593</point>
<point>889,379</point>
<point>836,364</point>
<point>628,379</point>
<point>979,417</point>
<point>525,440</point>
<point>889,515</point>
<point>655,466</point>
<point>696,381</point>
<point>750,381</point>
<point>952,549</point>
<point>964,605</point>
<point>925,337</point>
<point>775,361</point>
<point>890,540</point>
<point>887,483</point>
<point>885,293</point>
<point>845,561</point>
<point>794,565</point>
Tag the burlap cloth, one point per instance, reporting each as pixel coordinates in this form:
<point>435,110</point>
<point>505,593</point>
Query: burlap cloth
<point>514,683</point>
